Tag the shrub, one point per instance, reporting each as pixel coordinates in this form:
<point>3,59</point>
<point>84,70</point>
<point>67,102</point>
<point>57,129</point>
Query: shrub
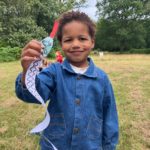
<point>9,54</point>
<point>140,51</point>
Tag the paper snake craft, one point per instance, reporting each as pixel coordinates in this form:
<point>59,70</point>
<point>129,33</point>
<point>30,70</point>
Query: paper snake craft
<point>32,71</point>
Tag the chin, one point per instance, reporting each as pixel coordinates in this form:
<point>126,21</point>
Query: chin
<point>77,60</point>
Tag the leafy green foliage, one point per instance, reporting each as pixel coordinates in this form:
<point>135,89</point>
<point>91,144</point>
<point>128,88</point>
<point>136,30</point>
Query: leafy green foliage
<point>23,20</point>
<point>24,31</point>
<point>9,54</point>
<point>147,28</point>
<point>122,25</point>
<point>140,51</point>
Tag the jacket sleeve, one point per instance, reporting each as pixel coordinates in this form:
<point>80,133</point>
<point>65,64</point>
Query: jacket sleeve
<point>45,84</point>
<point>110,118</point>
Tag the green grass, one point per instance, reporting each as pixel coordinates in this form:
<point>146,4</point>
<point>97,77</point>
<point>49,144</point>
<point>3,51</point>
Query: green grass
<point>130,76</point>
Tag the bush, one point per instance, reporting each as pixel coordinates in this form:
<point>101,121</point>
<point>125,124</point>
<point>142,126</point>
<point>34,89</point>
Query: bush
<point>9,54</point>
<point>51,54</point>
<point>134,51</point>
<point>140,51</point>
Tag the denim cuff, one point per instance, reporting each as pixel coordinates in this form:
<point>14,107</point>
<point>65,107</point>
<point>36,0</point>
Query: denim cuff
<point>23,86</point>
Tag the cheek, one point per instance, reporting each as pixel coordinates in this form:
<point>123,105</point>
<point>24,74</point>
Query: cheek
<point>63,47</point>
<point>88,47</point>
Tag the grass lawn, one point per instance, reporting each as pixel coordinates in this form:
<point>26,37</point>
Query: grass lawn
<point>130,76</point>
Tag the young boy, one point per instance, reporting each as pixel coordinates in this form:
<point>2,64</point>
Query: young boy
<point>82,107</point>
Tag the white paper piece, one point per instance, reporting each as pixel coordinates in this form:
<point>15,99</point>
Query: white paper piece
<point>32,71</point>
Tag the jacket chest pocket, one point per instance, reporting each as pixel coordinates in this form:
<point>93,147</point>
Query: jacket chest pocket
<point>57,127</point>
<point>94,128</point>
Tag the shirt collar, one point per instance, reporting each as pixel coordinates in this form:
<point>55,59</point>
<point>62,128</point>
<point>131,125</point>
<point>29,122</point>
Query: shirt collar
<point>91,71</point>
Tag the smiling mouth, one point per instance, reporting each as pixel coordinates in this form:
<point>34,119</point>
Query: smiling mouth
<point>76,51</point>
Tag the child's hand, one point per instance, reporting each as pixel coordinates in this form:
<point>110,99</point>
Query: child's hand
<point>31,52</point>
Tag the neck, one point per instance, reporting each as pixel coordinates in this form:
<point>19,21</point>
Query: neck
<point>80,64</point>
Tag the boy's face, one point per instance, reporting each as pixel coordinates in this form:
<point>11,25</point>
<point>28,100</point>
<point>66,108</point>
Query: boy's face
<point>76,43</point>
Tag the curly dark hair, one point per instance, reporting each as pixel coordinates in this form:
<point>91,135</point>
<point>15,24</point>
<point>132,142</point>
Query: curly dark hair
<point>75,16</point>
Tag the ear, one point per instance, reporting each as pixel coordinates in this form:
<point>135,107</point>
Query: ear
<point>93,43</point>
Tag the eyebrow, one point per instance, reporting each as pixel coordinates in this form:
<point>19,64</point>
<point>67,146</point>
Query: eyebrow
<point>78,36</point>
<point>67,37</point>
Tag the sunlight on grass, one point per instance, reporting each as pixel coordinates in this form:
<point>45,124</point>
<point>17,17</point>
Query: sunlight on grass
<point>130,76</point>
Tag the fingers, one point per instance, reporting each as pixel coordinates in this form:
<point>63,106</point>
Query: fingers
<point>34,44</point>
<point>28,58</point>
<point>26,61</point>
<point>31,53</point>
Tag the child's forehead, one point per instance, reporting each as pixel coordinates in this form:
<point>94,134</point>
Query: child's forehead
<point>76,22</point>
<point>74,26</point>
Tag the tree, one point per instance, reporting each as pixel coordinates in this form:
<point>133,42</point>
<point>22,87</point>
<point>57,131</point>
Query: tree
<point>46,11</point>
<point>23,20</point>
<point>122,21</point>
<point>18,24</point>
<point>147,27</point>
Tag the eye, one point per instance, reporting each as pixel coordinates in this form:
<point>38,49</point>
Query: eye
<point>83,39</point>
<point>67,40</point>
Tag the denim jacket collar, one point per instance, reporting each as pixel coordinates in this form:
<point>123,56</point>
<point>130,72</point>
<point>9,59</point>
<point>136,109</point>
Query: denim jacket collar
<point>91,71</point>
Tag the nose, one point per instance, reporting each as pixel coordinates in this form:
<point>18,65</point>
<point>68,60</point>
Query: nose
<point>76,44</point>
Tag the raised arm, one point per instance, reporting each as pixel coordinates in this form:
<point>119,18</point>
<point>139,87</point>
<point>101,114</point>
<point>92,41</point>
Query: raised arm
<point>31,52</point>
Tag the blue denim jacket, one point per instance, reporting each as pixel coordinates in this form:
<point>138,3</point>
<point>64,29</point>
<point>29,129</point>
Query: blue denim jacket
<point>82,108</point>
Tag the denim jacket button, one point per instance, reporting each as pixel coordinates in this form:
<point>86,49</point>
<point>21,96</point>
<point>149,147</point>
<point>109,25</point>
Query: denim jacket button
<point>76,130</point>
<point>77,101</point>
<point>78,77</point>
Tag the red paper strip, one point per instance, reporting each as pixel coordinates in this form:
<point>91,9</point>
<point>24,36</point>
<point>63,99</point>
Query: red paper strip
<point>54,30</point>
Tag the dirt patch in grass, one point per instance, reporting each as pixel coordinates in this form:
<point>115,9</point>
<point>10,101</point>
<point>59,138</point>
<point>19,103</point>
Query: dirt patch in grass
<point>3,129</point>
<point>11,102</point>
<point>144,128</point>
